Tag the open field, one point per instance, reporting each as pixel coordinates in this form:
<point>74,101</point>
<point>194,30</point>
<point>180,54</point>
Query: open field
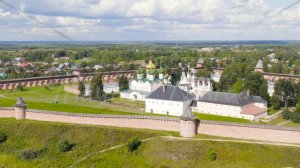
<point>283,122</point>
<point>157,152</point>
<point>202,116</point>
<point>56,99</point>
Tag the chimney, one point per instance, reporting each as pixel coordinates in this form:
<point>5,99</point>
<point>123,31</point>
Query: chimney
<point>248,92</point>
<point>164,88</point>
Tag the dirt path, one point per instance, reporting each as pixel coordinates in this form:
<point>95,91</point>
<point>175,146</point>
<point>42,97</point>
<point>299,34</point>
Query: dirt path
<point>283,123</point>
<point>232,140</point>
<point>104,150</point>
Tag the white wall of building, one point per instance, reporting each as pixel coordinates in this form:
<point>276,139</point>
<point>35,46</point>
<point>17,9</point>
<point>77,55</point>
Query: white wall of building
<point>227,110</point>
<point>175,108</point>
<point>132,96</point>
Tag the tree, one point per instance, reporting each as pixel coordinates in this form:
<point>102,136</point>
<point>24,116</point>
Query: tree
<point>97,92</point>
<point>257,85</point>
<point>123,83</point>
<point>286,91</point>
<point>81,88</point>
<point>133,144</point>
<point>232,73</point>
<point>237,87</point>
<point>203,73</point>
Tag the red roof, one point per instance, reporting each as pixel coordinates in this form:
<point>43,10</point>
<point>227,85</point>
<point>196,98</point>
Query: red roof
<point>253,110</point>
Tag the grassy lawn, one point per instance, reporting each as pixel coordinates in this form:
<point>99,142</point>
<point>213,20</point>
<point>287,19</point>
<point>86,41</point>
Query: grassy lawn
<point>126,102</point>
<point>202,116</point>
<point>57,94</point>
<point>282,120</point>
<point>271,110</point>
<point>159,152</point>
<point>42,99</point>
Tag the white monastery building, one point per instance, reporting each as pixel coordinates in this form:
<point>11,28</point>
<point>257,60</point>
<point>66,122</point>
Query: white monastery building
<point>240,105</point>
<point>197,86</point>
<point>169,100</point>
<point>143,86</point>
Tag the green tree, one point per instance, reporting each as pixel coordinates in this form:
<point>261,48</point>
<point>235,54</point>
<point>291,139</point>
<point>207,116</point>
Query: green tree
<point>133,144</point>
<point>257,85</point>
<point>81,88</point>
<point>123,83</point>
<point>232,73</point>
<point>286,91</point>
<point>237,87</point>
<point>97,92</point>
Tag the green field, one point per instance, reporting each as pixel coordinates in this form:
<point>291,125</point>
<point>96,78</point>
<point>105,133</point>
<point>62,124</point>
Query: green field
<point>283,122</point>
<point>56,99</point>
<point>158,152</point>
<point>202,116</point>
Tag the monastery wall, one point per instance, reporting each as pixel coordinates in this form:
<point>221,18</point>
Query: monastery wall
<point>7,112</point>
<point>144,122</point>
<point>71,89</point>
<point>250,131</point>
<point>232,130</point>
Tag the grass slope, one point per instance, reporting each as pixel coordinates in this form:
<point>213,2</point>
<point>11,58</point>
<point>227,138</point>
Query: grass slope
<point>45,136</point>
<point>158,152</point>
<point>42,99</point>
<point>203,116</point>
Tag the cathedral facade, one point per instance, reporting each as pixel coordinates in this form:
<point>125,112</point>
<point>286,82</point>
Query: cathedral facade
<point>145,83</point>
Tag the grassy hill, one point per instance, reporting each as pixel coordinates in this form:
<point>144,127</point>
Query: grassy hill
<point>158,152</point>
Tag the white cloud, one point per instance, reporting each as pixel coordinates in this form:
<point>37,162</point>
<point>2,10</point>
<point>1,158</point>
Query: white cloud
<point>171,19</point>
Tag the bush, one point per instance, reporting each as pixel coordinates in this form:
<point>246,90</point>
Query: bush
<point>47,87</point>
<point>286,114</point>
<point>64,146</point>
<point>212,155</point>
<point>3,137</point>
<point>28,154</point>
<point>20,88</point>
<point>133,144</point>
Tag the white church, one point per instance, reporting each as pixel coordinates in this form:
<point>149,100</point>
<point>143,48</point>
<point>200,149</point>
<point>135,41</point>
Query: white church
<point>142,86</point>
<point>196,86</point>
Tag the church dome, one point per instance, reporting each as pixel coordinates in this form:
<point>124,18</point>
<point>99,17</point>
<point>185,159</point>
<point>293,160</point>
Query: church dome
<point>161,70</point>
<point>151,72</point>
<point>150,65</point>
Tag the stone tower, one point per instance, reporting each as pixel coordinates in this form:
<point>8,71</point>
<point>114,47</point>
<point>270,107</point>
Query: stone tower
<point>187,124</point>
<point>20,108</point>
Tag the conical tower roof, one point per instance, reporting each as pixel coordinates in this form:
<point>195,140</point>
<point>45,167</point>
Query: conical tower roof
<point>259,65</point>
<point>187,114</point>
<point>20,102</point>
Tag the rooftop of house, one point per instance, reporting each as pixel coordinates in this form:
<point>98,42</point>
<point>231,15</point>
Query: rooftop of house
<point>233,99</point>
<point>170,93</point>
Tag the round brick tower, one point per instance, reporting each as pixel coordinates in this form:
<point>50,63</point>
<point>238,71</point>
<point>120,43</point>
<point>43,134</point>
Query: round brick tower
<point>20,108</point>
<point>187,124</point>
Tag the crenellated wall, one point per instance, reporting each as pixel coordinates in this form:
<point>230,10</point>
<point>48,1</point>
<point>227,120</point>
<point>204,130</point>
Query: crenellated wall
<point>61,79</point>
<point>145,122</point>
<point>7,112</point>
<point>223,129</point>
<point>250,131</point>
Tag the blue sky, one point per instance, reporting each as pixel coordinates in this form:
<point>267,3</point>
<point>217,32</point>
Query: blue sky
<point>101,20</point>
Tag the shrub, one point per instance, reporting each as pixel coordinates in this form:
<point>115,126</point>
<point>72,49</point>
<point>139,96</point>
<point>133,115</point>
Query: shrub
<point>3,137</point>
<point>286,114</point>
<point>47,87</point>
<point>20,88</point>
<point>212,155</point>
<point>64,146</point>
<point>133,144</point>
<point>28,154</point>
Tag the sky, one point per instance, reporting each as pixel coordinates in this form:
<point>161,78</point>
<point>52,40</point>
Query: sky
<point>149,20</point>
